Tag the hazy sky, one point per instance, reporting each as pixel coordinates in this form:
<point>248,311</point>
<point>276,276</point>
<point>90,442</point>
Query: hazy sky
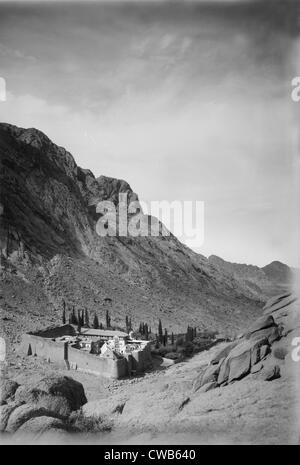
<point>184,101</point>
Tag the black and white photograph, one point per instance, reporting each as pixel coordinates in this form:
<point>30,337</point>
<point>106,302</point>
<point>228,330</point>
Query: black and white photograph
<point>149,225</point>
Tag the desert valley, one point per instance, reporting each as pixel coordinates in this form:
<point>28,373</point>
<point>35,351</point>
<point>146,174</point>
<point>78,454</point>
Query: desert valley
<point>220,335</point>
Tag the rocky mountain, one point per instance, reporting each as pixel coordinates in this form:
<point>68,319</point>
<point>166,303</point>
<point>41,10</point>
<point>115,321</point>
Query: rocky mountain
<point>50,252</point>
<point>278,272</point>
<point>266,281</point>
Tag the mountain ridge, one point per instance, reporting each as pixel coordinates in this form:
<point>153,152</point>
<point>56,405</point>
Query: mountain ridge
<point>49,244</point>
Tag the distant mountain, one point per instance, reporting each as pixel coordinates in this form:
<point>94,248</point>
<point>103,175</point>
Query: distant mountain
<point>50,252</point>
<point>266,281</point>
<point>278,272</point>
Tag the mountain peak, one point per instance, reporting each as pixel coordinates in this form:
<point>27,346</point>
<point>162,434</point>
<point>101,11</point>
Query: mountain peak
<point>49,214</point>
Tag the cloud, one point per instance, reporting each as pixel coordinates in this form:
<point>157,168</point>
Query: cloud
<point>182,104</point>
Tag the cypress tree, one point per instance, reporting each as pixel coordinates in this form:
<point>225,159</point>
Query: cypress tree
<point>96,322</point>
<point>172,338</point>
<point>87,318</point>
<point>160,331</point>
<point>64,312</point>
<point>73,317</point>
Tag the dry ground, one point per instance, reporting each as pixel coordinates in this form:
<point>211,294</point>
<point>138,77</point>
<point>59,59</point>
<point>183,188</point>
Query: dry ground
<point>160,407</point>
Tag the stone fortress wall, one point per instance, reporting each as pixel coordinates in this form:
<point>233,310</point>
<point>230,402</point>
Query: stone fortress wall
<point>44,345</point>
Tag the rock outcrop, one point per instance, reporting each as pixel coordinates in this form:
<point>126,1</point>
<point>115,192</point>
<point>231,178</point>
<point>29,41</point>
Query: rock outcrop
<point>7,390</point>
<point>246,355</point>
<point>42,407</point>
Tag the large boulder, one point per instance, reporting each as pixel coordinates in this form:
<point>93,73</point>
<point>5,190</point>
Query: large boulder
<point>223,373</point>
<point>264,351</point>
<point>5,412</point>
<point>53,386</point>
<point>41,425</point>
<point>223,352</point>
<point>209,375</point>
<point>8,388</point>
<point>240,359</point>
<point>58,405</point>
<point>24,413</point>
<point>272,334</point>
<point>259,347</point>
<point>261,323</point>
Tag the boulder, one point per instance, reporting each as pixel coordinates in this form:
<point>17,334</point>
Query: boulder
<point>272,373</point>
<point>264,351</point>
<point>240,359</point>
<point>5,412</point>
<point>261,323</point>
<point>40,425</point>
<point>211,374</point>
<point>240,365</point>
<point>272,334</point>
<point>7,390</point>
<point>53,386</point>
<point>224,352</point>
<point>24,413</point>
<point>57,405</point>
<point>256,368</point>
<point>223,373</point>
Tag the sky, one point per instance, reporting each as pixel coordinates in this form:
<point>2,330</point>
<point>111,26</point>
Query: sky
<point>182,100</point>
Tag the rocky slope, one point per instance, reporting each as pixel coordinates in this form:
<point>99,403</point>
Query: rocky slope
<point>255,399</point>
<point>50,251</point>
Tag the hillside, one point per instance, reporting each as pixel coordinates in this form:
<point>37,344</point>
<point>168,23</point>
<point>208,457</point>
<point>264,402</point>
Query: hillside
<point>181,404</point>
<point>50,251</point>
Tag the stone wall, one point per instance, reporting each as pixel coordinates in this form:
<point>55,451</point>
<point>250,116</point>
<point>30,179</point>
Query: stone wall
<point>54,351</point>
